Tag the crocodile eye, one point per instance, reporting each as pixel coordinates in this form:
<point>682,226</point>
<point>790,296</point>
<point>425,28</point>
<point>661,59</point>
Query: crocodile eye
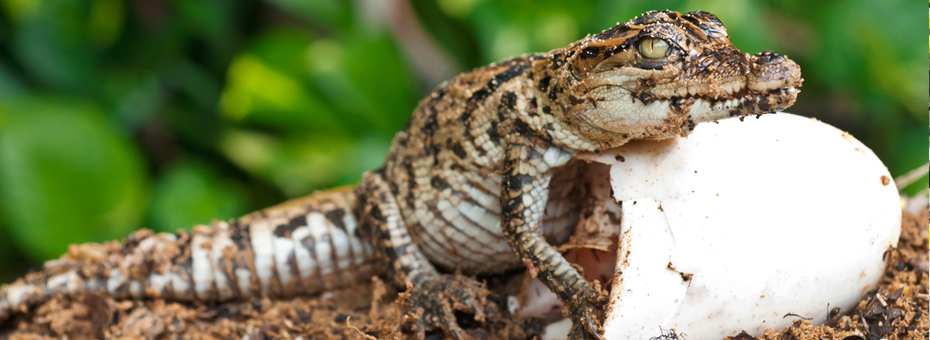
<point>653,48</point>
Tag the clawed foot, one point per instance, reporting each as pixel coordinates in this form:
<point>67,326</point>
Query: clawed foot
<point>583,310</point>
<point>433,304</point>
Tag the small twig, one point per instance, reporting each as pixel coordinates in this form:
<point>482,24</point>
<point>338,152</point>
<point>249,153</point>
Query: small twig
<point>376,296</point>
<point>797,316</point>
<point>911,176</point>
<point>363,334</point>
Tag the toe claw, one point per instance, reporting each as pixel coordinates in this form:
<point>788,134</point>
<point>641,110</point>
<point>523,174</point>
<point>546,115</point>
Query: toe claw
<point>583,312</point>
<point>593,327</point>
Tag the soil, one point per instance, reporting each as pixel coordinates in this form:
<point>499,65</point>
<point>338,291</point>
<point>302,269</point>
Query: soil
<point>896,309</point>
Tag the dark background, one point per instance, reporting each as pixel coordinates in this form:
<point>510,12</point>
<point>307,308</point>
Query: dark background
<point>122,114</point>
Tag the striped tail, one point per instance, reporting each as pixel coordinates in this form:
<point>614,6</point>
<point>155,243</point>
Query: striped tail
<point>302,246</point>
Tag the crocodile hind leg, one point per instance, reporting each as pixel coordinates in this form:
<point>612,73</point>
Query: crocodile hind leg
<point>432,297</point>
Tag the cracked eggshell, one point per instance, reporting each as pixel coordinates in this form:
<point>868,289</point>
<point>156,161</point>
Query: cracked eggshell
<point>742,223</point>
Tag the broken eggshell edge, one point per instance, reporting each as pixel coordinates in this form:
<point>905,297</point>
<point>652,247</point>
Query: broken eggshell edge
<point>744,225</point>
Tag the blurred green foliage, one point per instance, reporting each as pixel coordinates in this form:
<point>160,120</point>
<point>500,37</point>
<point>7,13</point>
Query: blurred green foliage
<point>117,114</point>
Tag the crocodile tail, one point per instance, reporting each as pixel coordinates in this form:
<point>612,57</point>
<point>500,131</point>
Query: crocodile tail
<point>36,288</point>
<point>303,246</point>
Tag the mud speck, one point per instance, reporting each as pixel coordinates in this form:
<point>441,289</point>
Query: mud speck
<point>885,180</point>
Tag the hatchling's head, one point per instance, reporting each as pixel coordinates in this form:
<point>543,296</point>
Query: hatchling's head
<point>659,74</point>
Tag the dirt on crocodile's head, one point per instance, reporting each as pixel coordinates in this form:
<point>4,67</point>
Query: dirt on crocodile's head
<point>659,74</point>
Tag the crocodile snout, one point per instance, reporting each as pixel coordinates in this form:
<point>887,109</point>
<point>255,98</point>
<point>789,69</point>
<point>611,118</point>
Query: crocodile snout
<point>770,71</point>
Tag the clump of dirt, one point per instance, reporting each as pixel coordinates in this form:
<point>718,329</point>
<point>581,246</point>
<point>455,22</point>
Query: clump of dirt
<point>896,309</point>
<point>327,316</point>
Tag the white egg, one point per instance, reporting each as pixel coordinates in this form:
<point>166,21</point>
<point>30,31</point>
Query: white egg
<point>742,223</point>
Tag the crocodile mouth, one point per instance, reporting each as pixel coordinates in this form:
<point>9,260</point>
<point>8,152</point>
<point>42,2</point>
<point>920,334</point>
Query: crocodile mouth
<point>637,116</point>
<point>747,102</point>
<point>743,103</point>
<point>762,83</point>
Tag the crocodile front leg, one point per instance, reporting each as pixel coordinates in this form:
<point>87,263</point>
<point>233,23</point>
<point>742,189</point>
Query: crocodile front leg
<point>524,193</point>
<point>432,297</point>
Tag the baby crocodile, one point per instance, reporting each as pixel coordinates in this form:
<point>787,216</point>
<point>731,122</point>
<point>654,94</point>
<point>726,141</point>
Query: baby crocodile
<point>479,175</point>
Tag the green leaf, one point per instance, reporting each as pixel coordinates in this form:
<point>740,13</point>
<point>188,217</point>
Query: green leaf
<point>509,28</point>
<point>366,78</point>
<point>66,176</point>
<point>267,85</point>
<point>443,19</point>
<point>137,100</point>
<point>212,23</point>
<point>297,165</point>
<point>105,21</point>
<point>49,41</point>
<point>10,85</point>
<point>333,13</point>
<point>189,194</point>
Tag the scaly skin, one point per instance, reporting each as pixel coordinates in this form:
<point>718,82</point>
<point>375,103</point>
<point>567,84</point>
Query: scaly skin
<point>303,246</point>
<point>470,182</point>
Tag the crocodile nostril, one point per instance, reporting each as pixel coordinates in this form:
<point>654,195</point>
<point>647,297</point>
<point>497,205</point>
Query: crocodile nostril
<point>769,57</point>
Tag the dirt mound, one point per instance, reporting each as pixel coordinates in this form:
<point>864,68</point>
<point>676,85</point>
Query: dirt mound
<point>896,309</point>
